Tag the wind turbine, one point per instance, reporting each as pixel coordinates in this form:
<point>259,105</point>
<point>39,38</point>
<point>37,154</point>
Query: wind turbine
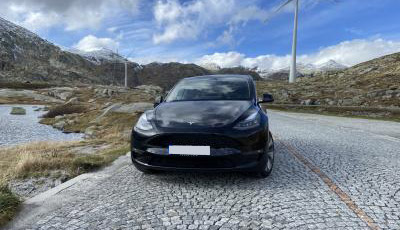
<point>293,73</point>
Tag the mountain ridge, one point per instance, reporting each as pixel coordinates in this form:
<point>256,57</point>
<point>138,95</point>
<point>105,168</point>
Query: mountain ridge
<point>99,56</point>
<point>302,69</point>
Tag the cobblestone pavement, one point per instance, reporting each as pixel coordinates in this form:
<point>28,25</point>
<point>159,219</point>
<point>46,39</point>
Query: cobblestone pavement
<point>360,160</point>
<point>361,156</point>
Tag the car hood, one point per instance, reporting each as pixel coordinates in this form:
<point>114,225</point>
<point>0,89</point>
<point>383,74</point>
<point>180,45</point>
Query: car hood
<point>192,114</point>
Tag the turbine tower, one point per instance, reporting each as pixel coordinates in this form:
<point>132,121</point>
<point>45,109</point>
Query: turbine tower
<point>293,72</point>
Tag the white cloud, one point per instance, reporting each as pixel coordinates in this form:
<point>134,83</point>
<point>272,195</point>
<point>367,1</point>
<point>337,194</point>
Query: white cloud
<point>37,20</point>
<point>347,53</point>
<point>192,19</point>
<point>355,51</point>
<point>73,14</point>
<point>93,43</point>
<point>228,59</point>
<point>250,13</point>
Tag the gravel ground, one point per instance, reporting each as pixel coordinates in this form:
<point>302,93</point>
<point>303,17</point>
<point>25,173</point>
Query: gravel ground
<point>357,157</point>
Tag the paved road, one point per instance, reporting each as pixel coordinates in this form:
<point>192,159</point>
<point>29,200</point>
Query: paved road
<point>330,173</point>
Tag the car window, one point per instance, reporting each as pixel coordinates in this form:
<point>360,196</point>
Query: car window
<point>210,89</point>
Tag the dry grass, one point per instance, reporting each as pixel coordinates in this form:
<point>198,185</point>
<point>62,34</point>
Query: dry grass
<point>20,161</point>
<point>22,85</point>
<point>39,159</point>
<point>117,126</point>
<point>23,160</point>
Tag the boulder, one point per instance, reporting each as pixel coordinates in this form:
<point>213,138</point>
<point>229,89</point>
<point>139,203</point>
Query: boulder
<point>90,131</point>
<point>59,125</point>
<point>137,107</point>
<point>330,101</point>
<point>13,93</point>
<point>357,100</point>
<point>58,118</point>
<point>346,102</point>
<point>73,100</point>
<point>307,102</point>
<point>62,93</point>
<point>151,89</point>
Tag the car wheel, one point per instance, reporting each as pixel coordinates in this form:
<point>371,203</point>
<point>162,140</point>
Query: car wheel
<point>268,158</point>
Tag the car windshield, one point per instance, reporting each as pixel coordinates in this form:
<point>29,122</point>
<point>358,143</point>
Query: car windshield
<point>218,88</point>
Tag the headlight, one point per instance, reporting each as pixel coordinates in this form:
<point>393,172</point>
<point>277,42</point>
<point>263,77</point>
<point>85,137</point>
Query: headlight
<point>144,121</point>
<point>253,120</point>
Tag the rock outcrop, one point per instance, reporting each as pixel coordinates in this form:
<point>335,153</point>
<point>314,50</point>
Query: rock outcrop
<point>372,83</point>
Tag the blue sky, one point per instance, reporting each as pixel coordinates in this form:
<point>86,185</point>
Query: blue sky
<point>227,32</point>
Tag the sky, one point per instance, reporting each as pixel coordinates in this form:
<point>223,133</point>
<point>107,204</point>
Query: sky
<point>226,32</point>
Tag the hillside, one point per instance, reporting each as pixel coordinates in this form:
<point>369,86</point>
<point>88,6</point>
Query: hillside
<point>372,83</point>
<point>166,75</point>
<point>24,56</point>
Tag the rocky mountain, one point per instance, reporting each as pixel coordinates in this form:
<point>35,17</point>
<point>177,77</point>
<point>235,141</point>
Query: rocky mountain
<point>329,66</point>
<point>303,70</point>
<point>166,75</point>
<point>372,83</point>
<point>100,56</point>
<point>24,56</point>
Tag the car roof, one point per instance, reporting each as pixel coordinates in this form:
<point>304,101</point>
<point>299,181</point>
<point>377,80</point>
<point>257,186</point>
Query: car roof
<point>216,76</point>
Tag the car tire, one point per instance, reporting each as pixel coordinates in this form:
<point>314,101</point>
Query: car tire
<point>267,159</point>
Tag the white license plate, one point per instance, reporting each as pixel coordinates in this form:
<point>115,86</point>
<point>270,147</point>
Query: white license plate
<point>189,150</point>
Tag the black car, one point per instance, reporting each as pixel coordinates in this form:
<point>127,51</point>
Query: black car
<point>206,123</point>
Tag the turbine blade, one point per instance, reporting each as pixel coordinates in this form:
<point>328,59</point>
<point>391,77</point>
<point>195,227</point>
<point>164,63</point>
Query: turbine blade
<point>283,5</point>
<point>278,9</point>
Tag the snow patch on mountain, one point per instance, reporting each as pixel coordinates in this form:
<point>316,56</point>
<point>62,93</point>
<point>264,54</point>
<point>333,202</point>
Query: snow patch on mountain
<point>210,66</point>
<point>9,27</point>
<point>305,69</point>
<point>330,65</point>
<point>99,56</point>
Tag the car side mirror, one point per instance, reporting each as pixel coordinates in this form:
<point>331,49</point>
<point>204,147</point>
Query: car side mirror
<point>267,98</point>
<point>158,101</point>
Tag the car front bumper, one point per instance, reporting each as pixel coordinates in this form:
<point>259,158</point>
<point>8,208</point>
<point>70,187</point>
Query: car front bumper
<point>240,151</point>
<point>248,161</point>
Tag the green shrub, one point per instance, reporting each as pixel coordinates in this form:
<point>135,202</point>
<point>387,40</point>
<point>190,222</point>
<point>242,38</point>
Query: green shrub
<point>8,205</point>
<point>18,111</point>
